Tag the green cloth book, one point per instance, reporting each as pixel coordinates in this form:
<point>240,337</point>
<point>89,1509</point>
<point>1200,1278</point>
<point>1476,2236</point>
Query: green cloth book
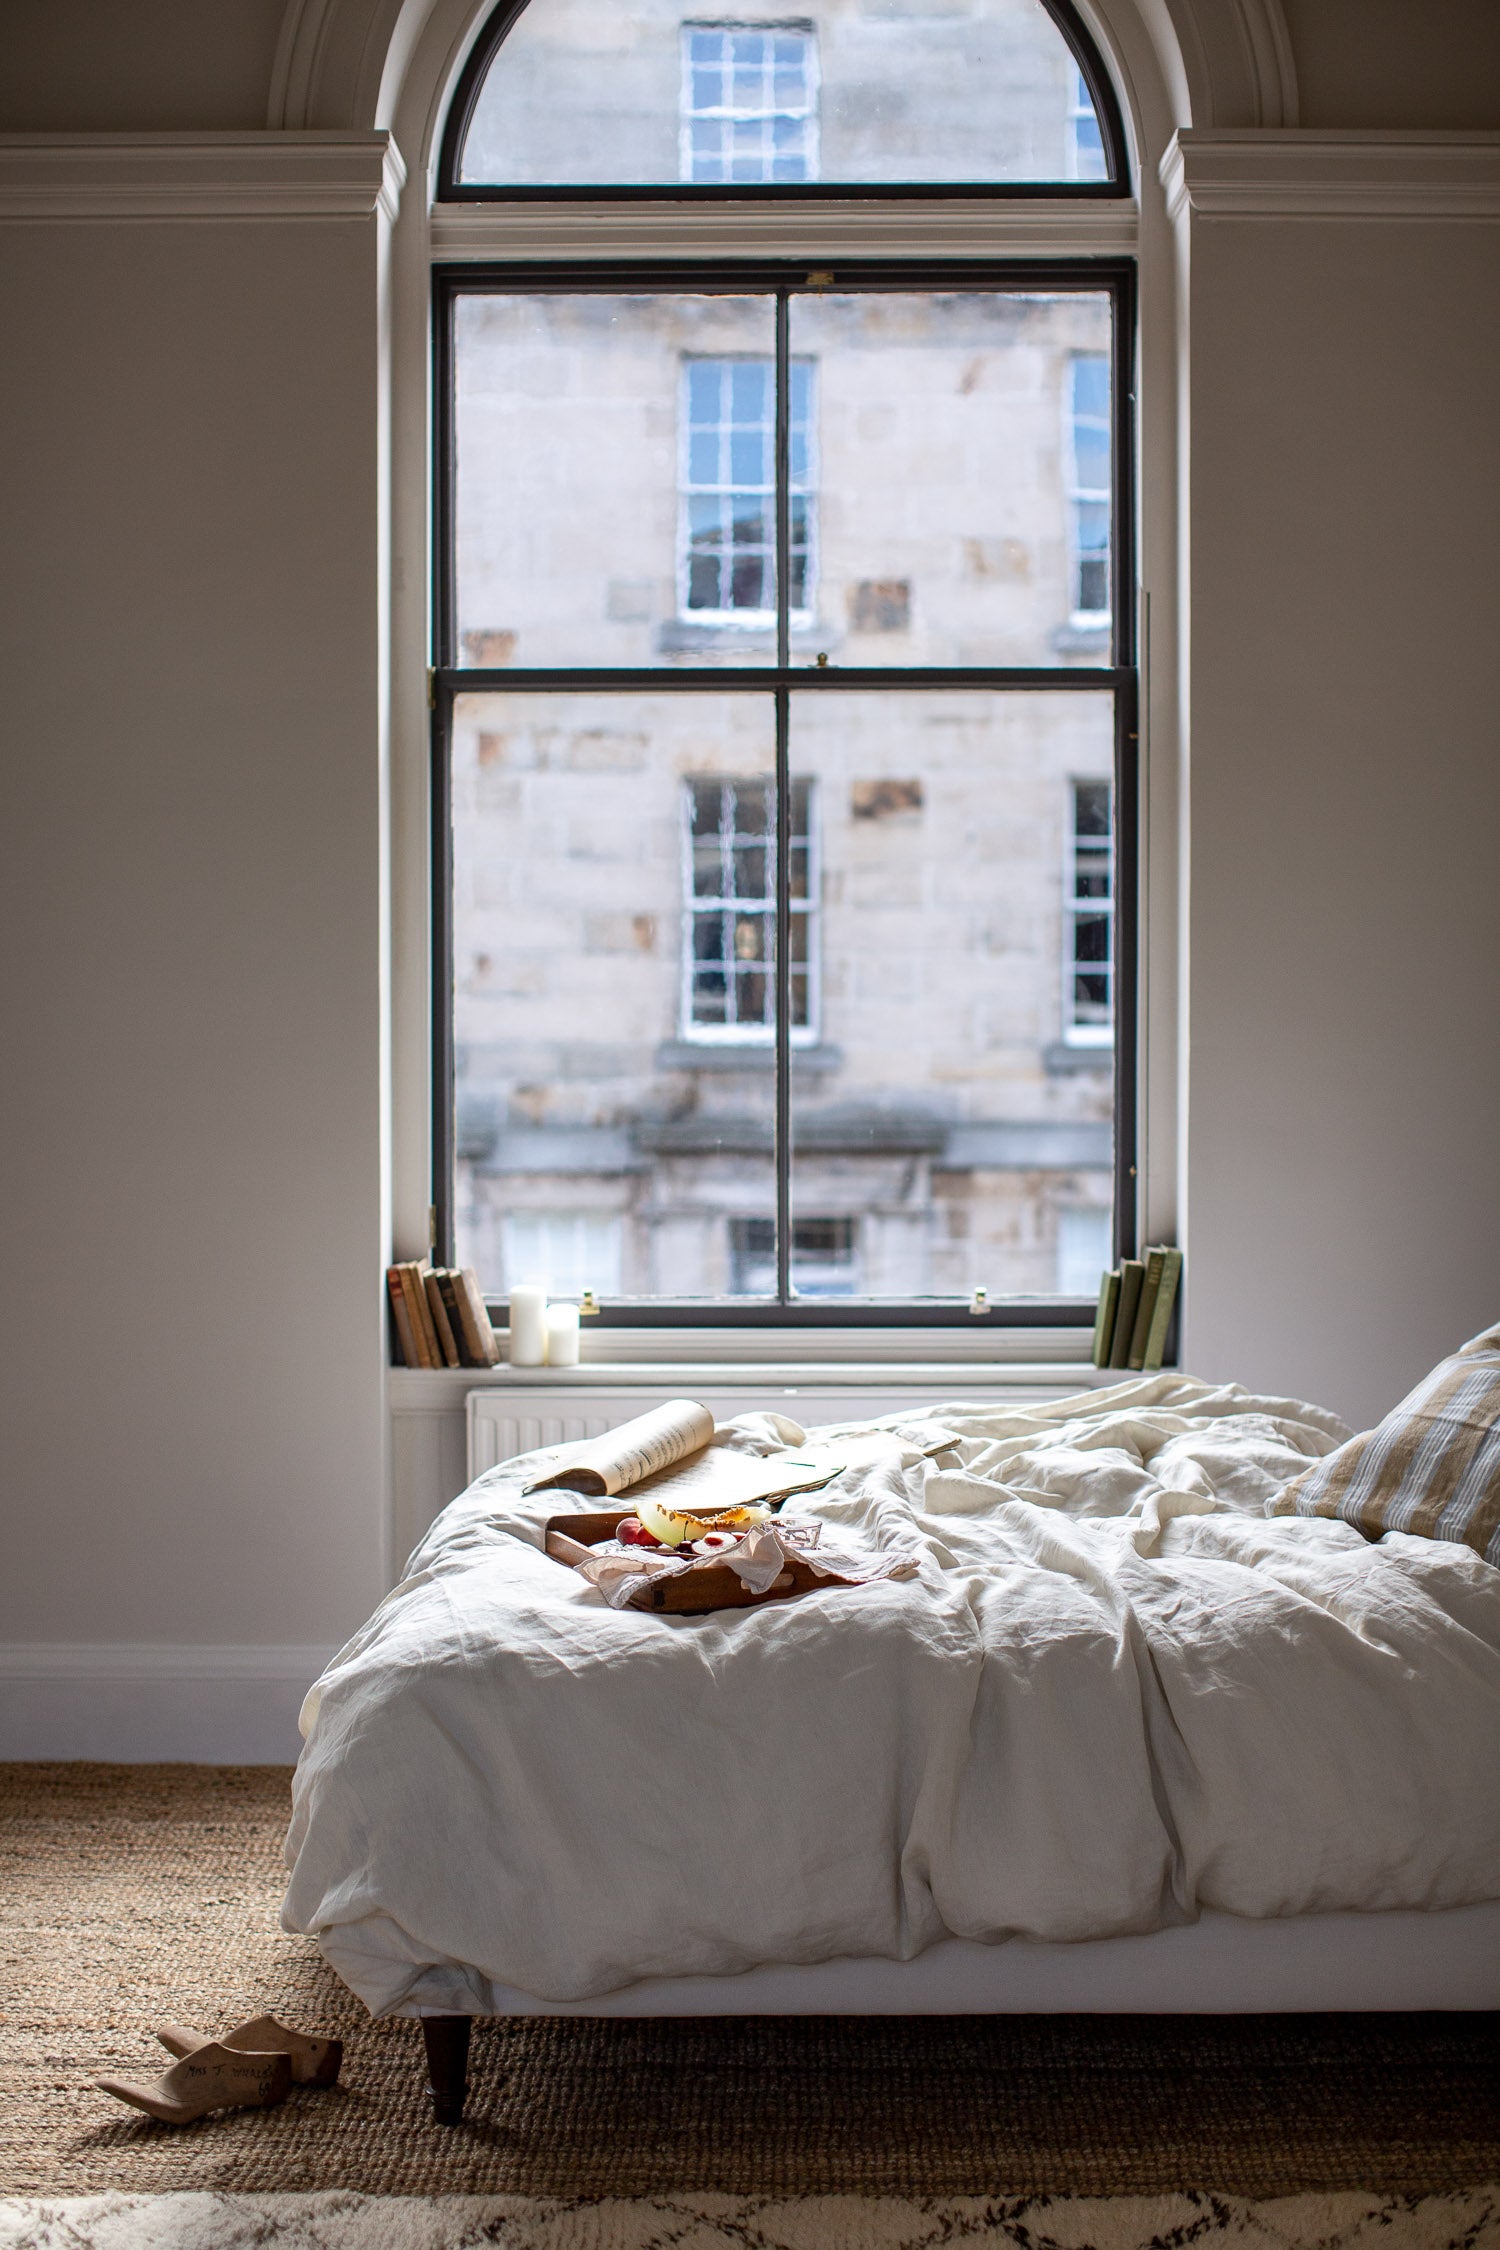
<point>1145,1307</point>
<point>1104,1318</point>
<point>1132,1274</point>
<point>1161,1316</point>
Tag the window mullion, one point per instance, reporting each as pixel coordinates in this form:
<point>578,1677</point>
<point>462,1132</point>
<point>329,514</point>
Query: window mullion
<point>783,805</point>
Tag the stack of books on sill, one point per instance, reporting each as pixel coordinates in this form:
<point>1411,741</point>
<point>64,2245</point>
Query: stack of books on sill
<point>1135,1310</point>
<point>439,1317</point>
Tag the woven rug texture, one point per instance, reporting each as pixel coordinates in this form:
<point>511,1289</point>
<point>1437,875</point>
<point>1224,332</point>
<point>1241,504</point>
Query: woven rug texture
<point>132,1896</point>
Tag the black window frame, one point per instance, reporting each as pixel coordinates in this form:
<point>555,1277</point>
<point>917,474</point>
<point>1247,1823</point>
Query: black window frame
<point>1115,184</point>
<point>1112,276</point>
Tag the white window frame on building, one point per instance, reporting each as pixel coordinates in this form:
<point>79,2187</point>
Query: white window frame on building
<point>1088,497</point>
<point>1084,1250</point>
<point>713,488</point>
<point>763,128</point>
<point>1090,859</point>
<point>825,1256</point>
<point>749,916</point>
<point>563,1252</point>
<point>1085,141</point>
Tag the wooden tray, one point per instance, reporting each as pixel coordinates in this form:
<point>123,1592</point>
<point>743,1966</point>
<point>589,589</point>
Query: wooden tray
<point>685,1593</point>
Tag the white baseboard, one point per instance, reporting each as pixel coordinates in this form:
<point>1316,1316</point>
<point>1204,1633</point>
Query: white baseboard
<point>150,1702</point>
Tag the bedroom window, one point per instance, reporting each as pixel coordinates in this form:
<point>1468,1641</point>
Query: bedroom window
<point>729,941</point>
<point>728,525</point>
<point>778,788</point>
<point>749,103</point>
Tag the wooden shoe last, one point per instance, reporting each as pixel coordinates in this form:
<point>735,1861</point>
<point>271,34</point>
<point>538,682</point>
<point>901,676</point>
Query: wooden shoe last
<point>315,2062</point>
<point>212,2077</point>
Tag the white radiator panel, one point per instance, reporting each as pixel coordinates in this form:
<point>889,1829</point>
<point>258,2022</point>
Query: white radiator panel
<point>498,1429</point>
<point>504,1423</point>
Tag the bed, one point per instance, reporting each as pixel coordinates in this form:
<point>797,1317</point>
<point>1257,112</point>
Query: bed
<point>1125,1741</point>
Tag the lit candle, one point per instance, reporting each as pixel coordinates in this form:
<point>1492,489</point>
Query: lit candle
<point>528,1327</point>
<point>562,1335</point>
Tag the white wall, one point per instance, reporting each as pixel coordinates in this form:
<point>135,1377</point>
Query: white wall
<point>191,885</point>
<point>189,682</point>
<point>1344,1084</point>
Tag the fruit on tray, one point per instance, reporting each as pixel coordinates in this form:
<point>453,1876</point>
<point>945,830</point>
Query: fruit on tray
<point>631,1532</point>
<point>674,1527</point>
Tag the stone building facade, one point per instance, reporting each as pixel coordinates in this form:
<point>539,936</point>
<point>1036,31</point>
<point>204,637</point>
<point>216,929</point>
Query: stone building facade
<point>952,971</point>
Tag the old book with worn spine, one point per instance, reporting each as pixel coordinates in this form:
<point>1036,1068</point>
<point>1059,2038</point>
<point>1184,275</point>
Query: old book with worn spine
<point>1145,1307</point>
<point>479,1335</point>
<point>405,1340</point>
<point>432,1282</point>
<point>1104,1318</point>
<point>1132,1274</point>
<point>1161,1314</point>
<point>415,1292</point>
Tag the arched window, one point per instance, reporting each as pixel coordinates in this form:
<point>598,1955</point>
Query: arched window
<point>569,94</point>
<point>784,688</point>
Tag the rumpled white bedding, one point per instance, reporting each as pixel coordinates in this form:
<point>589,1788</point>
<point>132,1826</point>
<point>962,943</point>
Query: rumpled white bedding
<point>1115,1694</point>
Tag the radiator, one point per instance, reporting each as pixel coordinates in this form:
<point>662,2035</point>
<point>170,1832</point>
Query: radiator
<point>502,1423</point>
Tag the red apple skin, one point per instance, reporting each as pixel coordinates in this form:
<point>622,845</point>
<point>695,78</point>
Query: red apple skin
<point>631,1532</point>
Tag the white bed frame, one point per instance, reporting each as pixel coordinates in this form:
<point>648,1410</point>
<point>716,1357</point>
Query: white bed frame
<point>1219,1965</point>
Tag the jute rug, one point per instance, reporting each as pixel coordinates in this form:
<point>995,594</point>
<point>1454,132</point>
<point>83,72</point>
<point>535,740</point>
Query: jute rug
<point>132,1896</point>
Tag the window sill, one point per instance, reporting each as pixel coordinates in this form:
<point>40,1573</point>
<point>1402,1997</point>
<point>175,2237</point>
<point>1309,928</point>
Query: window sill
<point>1078,638</point>
<point>681,636</point>
<point>743,1054</point>
<point>954,1375</point>
<point>668,1356</point>
<point>1063,1056</point>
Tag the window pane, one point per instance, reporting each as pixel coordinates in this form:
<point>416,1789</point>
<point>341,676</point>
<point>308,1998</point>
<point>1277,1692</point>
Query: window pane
<point>948,526</point>
<point>614,971</point>
<point>615,479</point>
<point>948,1115</point>
<point>622,92</point>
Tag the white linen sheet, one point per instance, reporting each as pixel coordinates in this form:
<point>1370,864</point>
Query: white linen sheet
<point>1115,1694</point>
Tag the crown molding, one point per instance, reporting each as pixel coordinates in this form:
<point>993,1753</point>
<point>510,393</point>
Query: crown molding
<point>100,177</point>
<point>941,227</point>
<point>1298,175</point>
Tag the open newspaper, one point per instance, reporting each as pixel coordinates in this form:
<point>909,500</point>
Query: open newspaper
<point>672,1447</point>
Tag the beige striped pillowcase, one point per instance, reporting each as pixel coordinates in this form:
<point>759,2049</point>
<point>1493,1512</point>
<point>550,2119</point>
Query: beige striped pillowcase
<point>1431,1467</point>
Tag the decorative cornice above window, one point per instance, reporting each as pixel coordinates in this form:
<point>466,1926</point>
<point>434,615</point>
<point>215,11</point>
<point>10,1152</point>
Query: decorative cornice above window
<point>196,176</point>
<point>1295,175</point>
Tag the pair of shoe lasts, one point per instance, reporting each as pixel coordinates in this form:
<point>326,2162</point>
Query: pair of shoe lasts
<point>252,2067</point>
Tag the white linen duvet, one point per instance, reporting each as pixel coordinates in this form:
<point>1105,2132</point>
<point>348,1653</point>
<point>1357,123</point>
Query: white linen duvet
<point>1115,1694</point>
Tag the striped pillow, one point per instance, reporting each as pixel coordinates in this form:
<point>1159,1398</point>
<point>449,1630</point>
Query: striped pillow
<point>1432,1466</point>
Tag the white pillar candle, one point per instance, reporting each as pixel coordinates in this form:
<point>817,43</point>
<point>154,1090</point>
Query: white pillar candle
<point>528,1327</point>
<point>562,1335</point>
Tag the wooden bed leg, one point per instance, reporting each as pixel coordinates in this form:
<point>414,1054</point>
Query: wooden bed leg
<point>447,2042</point>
